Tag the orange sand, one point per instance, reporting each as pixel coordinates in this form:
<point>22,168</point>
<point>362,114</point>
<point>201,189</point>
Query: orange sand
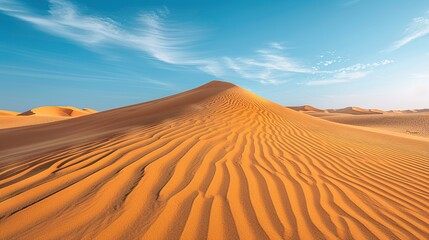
<point>19,121</point>
<point>215,162</point>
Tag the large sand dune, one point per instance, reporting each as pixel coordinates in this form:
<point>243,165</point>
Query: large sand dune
<point>215,162</point>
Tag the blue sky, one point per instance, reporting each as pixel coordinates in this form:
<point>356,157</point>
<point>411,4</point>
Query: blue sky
<point>106,54</point>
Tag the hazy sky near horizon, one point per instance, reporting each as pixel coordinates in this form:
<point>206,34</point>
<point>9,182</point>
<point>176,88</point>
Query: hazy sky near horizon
<point>106,54</point>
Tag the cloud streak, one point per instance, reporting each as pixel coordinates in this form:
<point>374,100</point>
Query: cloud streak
<point>65,21</point>
<point>152,35</point>
<point>346,74</point>
<point>326,82</point>
<point>341,77</point>
<point>267,66</point>
<point>418,28</point>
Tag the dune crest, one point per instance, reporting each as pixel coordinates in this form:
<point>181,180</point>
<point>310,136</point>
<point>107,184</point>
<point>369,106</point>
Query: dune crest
<point>215,162</point>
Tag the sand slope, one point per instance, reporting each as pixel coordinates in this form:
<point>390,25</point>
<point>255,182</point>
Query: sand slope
<point>215,162</point>
<point>20,121</point>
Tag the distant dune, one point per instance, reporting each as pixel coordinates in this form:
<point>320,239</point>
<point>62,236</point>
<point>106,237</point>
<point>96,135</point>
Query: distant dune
<point>413,124</point>
<point>410,122</point>
<point>215,162</point>
<point>422,110</point>
<point>356,111</point>
<point>306,108</point>
<point>410,111</point>
<point>395,111</point>
<point>353,110</point>
<point>89,110</point>
<point>9,119</point>
<point>7,113</point>
<point>347,110</point>
<point>56,111</point>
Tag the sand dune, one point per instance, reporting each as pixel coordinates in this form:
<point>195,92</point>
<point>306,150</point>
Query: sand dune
<point>422,110</point>
<point>89,110</point>
<point>356,111</point>
<point>306,108</point>
<point>57,111</point>
<point>406,122</point>
<point>215,162</point>
<point>46,114</point>
<point>351,110</point>
<point>410,111</point>
<point>7,113</point>
<point>413,124</point>
<point>394,111</point>
<point>347,110</point>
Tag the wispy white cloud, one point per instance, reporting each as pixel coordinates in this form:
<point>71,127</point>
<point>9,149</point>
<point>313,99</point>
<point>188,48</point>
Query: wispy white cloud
<point>419,27</point>
<point>326,82</point>
<point>351,75</point>
<point>64,20</point>
<point>327,59</point>
<point>157,82</point>
<point>268,66</point>
<point>345,74</point>
<point>357,67</point>
<point>272,66</point>
<point>341,77</point>
<point>153,35</point>
<point>277,45</point>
